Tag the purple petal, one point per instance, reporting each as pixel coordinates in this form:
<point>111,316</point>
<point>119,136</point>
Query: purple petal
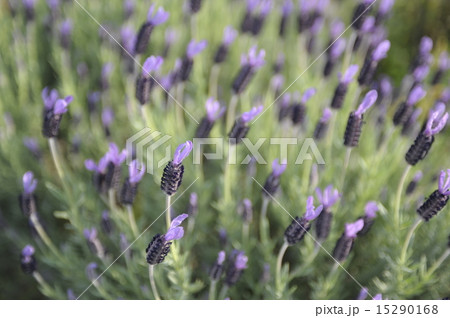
<point>107,116</point>
<point>248,116</point>
<point>363,294</point>
<point>182,152</point>
<point>371,209</point>
<point>326,115</point>
<point>416,95</point>
<point>177,221</point>
<point>28,251</point>
<point>336,29</point>
<point>368,101</point>
<point>444,61</point>
<point>425,46</point>
<point>160,16</point>
<point>151,64</point>
<point>421,72</point>
<point>29,183</point>
<point>170,36</point>
<point>90,165</point>
<point>435,124</point>
<point>385,6</point>
<point>287,7</point>
<point>213,109</point>
<point>278,169</point>
<point>60,107</point>
<point>229,34</point>
<point>311,213</point>
<point>195,48</point>
<point>310,92</point>
<point>255,59</point>
<point>241,261</point>
<point>352,229</point>
<point>174,234</point>
<point>368,24</point>
<point>381,50</point>
<point>337,48</point>
<point>221,257</point>
<point>349,74</point>
<point>136,172</point>
<point>378,297</point>
<point>385,86</point>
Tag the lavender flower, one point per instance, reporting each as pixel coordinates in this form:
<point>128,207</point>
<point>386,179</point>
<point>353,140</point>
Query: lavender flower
<point>247,21</point>
<point>367,27</point>
<point>229,35</point>
<point>360,13</point>
<point>377,297</point>
<point>333,54</point>
<point>341,89</point>
<point>298,109</point>
<point>422,144</point>
<point>107,119</point>
<point>194,48</point>
<point>286,11</point>
<point>54,108</point>
<point>65,32</point>
<point>250,63</point>
<point>29,183</point>
<point>240,127</point>
<point>305,18</point>
<point>173,172</point>
<point>130,185</point>
<point>145,81</point>
<point>213,112</point>
<point>328,198</point>
<point>283,104</point>
<point>128,8</point>
<point>245,210</point>
<point>27,199</point>
<point>371,62</point>
<point>443,66</point>
<point>336,29</point>
<point>355,120</point>
<point>370,213</point>
<point>404,111</point>
<point>299,226</point>
<point>345,243</point>
<point>322,125</point>
<point>217,269</point>
<point>420,72</point>
<point>258,19</point>
<point>273,180</point>
<point>363,294</point>
<point>170,37</point>
<point>423,55</point>
<point>91,272</point>
<point>236,268</point>
<point>106,223</point>
<point>412,185</point>
<point>27,260</point>
<point>29,6</point>
<point>159,247</point>
<point>153,19</point>
<point>383,10</point>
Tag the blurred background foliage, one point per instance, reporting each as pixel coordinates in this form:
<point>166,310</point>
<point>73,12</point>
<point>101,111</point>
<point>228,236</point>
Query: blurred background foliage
<point>410,20</point>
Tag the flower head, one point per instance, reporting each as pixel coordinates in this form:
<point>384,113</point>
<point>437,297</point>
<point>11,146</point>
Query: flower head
<point>337,48</point>
<point>175,231</point>
<point>352,229</point>
<point>381,50</point>
<point>326,115</point>
<point>349,74</point>
<point>151,64</point>
<point>363,293</point>
<point>61,105</point>
<point>253,58</point>
<point>336,29</point>
<point>308,94</point>
<point>136,171</point>
<point>368,101</point>
<point>115,156</point>
<point>229,34</point>
<point>420,72</point>
<point>90,234</point>
<point>49,97</point>
<point>182,152</point>
<point>368,24</point>
<point>195,48</point>
<point>436,121</point>
<point>252,113</point>
<point>221,257</point>
<point>213,109</point>
<point>277,168</point>
<point>28,251</point>
<point>66,28</point>
<point>444,182</point>
<point>425,46</point>
<point>311,212</point>
<point>100,167</point>
<point>370,210</point>
<point>416,94</point>
<point>159,17</point>
<point>328,196</point>
<point>29,183</point>
<point>385,6</point>
<point>240,262</point>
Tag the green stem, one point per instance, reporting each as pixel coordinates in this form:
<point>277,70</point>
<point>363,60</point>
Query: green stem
<point>230,153</point>
<point>344,170</point>
<point>212,290</point>
<point>408,240</point>
<point>132,220</point>
<point>348,52</point>
<point>263,220</point>
<point>168,208</point>
<point>43,235</point>
<point>213,80</point>
<point>399,196</point>
<point>179,110</point>
<point>151,277</point>
<point>223,292</point>
<point>41,280</point>
<point>56,158</point>
<point>438,263</point>
<point>279,262</point>
<point>231,112</point>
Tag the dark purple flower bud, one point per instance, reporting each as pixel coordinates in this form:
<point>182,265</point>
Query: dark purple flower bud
<point>299,226</point>
<point>159,247</point>
<point>322,125</point>
<point>306,15</point>
<point>128,8</point>
<point>153,19</point>
<point>236,268</point>
<point>438,199</point>
<point>259,18</point>
<point>195,5</point>
<point>369,215</point>
<point>360,13</point>
<point>52,116</point>
<point>229,35</point>
<point>345,243</point>
<point>249,64</point>
<point>91,271</point>
<point>27,260</point>
<point>412,185</point>
<point>129,188</point>
<point>65,32</point>
<point>341,89</point>
<point>173,172</point>
<point>29,183</point>
<point>217,269</point>
<point>145,81</point>
<point>363,294</point>
<point>371,62</point>
<point>273,180</point>
<point>106,223</point>
<point>213,112</point>
<point>333,54</point>
<point>29,6</point>
<point>240,127</point>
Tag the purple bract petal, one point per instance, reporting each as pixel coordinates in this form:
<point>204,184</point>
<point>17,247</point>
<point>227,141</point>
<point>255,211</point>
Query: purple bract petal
<point>378,297</point>
<point>29,183</point>
<point>265,7</point>
<point>349,74</point>
<point>174,234</point>
<point>195,48</point>
<point>311,212</point>
<point>287,7</point>
<point>308,94</point>
<point>151,64</point>
<point>278,169</point>
<point>381,50</point>
<point>221,257</point>
<point>370,210</point>
<point>241,261</point>
<point>61,105</point>
<point>107,116</point>
<point>385,6</point>
<point>425,46</point>
<point>444,61</point>
<point>213,109</point>
<point>182,152</point>
<point>49,97</point>
<point>352,229</point>
<point>368,101</point>
<point>436,122</point>
<point>177,221</point>
<point>253,58</point>
<point>326,115</point>
<point>444,182</point>
<point>363,293</point>
<point>28,251</point>
<point>229,34</point>
<point>336,29</point>
<point>368,24</point>
<point>136,171</point>
<point>159,17</point>
<point>66,28</point>
<point>248,116</point>
<point>337,49</point>
<point>415,95</point>
<point>115,156</point>
<point>90,234</point>
<point>421,72</point>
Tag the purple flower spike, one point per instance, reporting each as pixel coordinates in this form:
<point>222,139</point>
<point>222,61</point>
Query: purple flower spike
<point>254,59</point>
<point>66,28</point>
<point>115,156</point>
<point>90,234</point>
<point>425,46</point>
<point>61,105</point>
<point>29,183</point>
<point>159,17</point>
<point>381,50</point>
<point>352,229</point>
<point>444,61</point>
<point>436,122</point>
<point>328,197</point>
<point>49,97</point>
<point>336,29</point>
<point>229,34</point>
<point>378,297</point>
<point>385,6</point>
<point>337,48</point>
<point>213,109</point>
<point>151,64</point>
<point>175,231</point>
<point>248,116</point>
<point>251,5</point>
<point>311,212</point>
<point>371,209</point>
<point>277,168</point>
<point>287,7</point>
<point>28,251</point>
<point>363,293</point>
<point>195,48</point>
<point>444,184</point>
<point>136,171</point>
<point>368,24</point>
<point>221,257</point>
<point>241,261</point>
<point>182,152</point>
<point>416,95</point>
<point>421,72</point>
<point>368,101</point>
<point>349,74</point>
<point>308,94</point>
<point>326,115</point>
